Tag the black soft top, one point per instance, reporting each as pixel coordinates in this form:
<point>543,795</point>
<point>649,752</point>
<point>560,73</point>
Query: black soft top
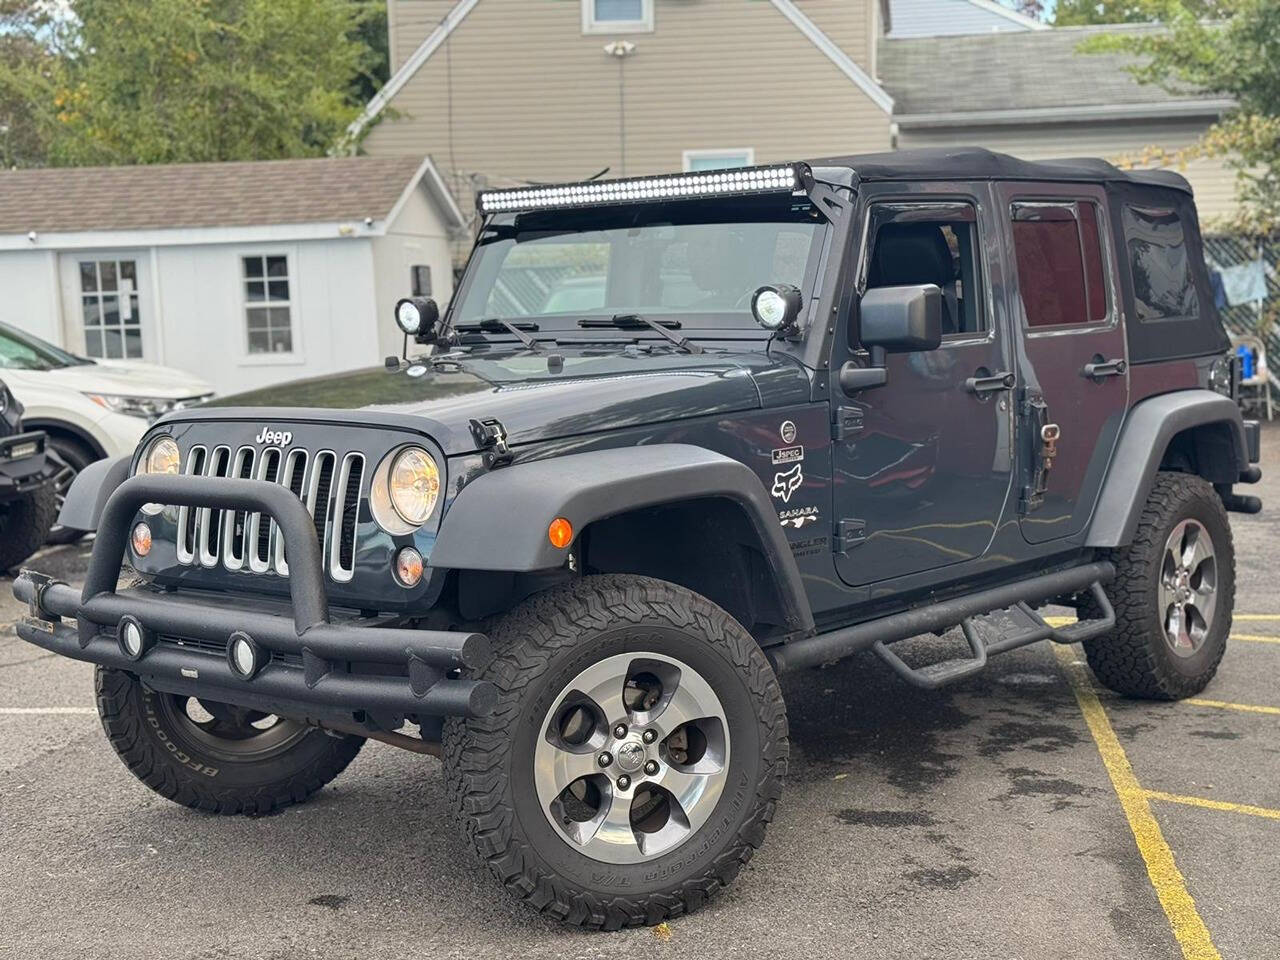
<point>975,163</point>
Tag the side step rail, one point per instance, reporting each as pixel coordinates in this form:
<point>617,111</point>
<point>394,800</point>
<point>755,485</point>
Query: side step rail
<point>1020,596</point>
<point>999,632</point>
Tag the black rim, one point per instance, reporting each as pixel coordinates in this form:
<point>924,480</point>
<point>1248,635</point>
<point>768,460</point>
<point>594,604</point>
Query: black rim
<point>229,733</point>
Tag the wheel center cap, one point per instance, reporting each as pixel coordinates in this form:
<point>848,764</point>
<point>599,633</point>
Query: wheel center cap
<point>630,757</point>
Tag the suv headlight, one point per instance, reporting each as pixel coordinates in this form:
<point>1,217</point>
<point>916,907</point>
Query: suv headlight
<point>405,490</point>
<point>161,457</point>
<point>148,408</point>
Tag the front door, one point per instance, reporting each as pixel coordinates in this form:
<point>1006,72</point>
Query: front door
<point>923,463</point>
<point>1076,378</point>
<point>105,308</point>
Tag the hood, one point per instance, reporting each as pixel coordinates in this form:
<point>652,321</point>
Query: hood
<point>591,391</point>
<point>131,378</point>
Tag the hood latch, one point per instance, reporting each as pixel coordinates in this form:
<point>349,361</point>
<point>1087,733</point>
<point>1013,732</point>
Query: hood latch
<point>491,437</point>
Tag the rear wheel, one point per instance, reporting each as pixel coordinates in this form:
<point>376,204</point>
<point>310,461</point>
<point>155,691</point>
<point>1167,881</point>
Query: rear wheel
<point>214,756</point>
<point>1174,592</point>
<point>635,756</point>
<point>24,523</point>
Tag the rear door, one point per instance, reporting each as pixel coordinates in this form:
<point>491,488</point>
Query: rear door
<point>1075,378</point>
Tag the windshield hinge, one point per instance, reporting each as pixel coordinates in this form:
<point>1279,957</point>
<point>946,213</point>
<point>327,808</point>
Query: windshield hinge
<point>491,437</point>
<point>846,423</point>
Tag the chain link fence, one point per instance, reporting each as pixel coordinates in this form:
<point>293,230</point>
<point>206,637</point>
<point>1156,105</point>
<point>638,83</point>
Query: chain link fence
<point>1257,318</point>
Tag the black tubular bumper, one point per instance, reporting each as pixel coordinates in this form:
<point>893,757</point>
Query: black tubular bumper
<point>313,667</point>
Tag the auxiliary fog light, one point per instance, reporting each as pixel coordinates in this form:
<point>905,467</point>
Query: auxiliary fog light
<point>140,539</point>
<point>244,655</point>
<point>409,567</point>
<point>133,638</point>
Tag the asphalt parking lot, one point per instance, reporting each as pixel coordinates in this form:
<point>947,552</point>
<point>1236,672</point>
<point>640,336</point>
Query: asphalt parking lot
<point>1020,814</point>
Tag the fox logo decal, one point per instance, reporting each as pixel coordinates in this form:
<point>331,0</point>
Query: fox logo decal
<point>787,483</point>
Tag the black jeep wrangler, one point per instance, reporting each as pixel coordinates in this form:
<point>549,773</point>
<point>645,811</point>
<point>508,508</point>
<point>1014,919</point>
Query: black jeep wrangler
<point>673,436</point>
<point>28,497</point>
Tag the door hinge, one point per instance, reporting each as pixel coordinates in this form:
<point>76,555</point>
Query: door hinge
<point>846,423</point>
<point>491,437</point>
<point>1043,437</point>
<point>849,534</point>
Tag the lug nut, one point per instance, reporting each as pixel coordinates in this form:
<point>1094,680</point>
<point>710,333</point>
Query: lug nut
<point>624,782</point>
<point>620,731</point>
<point>651,768</point>
<point>606,758</point>
<point>649,736</point>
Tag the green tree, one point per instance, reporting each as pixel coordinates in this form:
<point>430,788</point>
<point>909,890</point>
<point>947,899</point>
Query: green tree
<point>167,81</point>
<point>1075,13</point>
<point>1235,55</point>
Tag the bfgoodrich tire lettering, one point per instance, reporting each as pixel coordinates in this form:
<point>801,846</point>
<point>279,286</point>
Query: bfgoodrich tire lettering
<point>1136,659</point>
<point>542,646</point>
<point>191,767</point>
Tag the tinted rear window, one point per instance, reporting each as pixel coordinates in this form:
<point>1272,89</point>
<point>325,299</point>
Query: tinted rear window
<point>1163,288</point>
<point>1060,269</point>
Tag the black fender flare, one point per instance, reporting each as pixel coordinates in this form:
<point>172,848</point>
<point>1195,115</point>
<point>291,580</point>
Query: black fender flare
<point>1144,438</point>
<point>499,520</point>
<point>90,491</point>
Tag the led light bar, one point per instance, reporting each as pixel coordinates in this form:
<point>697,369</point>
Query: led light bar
<point>783,178</point>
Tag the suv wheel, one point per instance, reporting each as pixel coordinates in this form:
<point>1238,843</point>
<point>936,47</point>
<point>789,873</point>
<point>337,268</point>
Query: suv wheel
<point>24,523</point>
<point>1173,593</point>
<point>213,756</point>
<point>75,457</point>
<point>635,756</point>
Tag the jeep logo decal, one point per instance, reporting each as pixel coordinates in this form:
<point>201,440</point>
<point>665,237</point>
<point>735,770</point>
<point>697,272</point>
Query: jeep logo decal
<point>280,438</point>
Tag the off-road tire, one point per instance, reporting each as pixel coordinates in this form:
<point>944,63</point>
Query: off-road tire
<point>77,456</point>
<point>539,647</point>
<point>1135,659</point>
<point>145,740</point>
<point>24,523</point>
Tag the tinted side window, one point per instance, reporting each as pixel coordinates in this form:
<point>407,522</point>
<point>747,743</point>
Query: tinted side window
<point>1162,284</point>
<point>1060,267</point>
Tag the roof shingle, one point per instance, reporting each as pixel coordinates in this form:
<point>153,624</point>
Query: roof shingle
<point>259,193</point>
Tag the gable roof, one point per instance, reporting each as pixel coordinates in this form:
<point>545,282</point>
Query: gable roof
<point>1033,76</point>
<point>458,13</point>
<point>936,18</point>
<point>214,195</point>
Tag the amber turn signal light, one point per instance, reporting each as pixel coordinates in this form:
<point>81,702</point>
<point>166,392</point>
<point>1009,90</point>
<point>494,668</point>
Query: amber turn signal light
<point>560,533</point>
<point>141,539</point>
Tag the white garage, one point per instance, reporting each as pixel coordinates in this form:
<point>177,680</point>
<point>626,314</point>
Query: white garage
<point>247,273</point>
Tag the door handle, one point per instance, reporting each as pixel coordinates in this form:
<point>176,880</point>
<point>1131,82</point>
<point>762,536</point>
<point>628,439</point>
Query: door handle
<point>982,382</point>
<point>1100,368</point>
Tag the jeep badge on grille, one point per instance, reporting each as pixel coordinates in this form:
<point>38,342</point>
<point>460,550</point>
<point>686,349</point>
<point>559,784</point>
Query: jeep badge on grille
<point>280,438</point>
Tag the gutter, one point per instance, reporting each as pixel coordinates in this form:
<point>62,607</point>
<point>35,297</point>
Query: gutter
<point>1177,109</point>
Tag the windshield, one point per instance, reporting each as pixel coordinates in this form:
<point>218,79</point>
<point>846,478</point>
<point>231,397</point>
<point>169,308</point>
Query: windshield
<point>21,351</point>
<point>693,262</point>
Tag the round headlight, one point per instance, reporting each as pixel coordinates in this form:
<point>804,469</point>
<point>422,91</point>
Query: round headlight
<point>414,485</point>
<point>770,309</point>
<point>162,457</point>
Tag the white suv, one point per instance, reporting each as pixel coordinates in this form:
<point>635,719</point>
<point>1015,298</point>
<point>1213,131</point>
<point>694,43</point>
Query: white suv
<point>89,408</point>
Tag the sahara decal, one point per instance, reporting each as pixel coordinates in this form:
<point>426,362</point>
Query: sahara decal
<point>798,517</point>
<point>783,455</point>
<point>787,482</point>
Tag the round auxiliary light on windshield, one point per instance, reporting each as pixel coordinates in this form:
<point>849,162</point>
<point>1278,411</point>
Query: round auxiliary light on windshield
<point>416,316</point>
<point>244,655</point>
<point>776,307</point>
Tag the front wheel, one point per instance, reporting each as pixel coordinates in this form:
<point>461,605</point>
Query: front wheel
<point>1173,594</point>
<point>634,758</point>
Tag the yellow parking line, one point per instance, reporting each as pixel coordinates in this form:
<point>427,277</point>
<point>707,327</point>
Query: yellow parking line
<point>1214,804</point>
<point>1255,638</point>
<point>1224,705</point>
<point>1255,616</point>
<point>1170,886</point>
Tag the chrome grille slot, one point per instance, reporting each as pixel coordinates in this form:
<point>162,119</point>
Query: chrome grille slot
<point>209,521</point>
<point>346,510</point>
<point>189,519</point>
<point>235,521</point>
<point>258,528</point>
<point>293,478</point>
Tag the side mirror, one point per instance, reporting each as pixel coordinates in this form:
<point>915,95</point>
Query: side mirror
<point>417,317</point>
<point>901,319</point>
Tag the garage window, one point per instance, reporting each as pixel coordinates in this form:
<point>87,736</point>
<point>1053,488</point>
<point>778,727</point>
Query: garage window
<point>617,16</point>
<point>268,306</point>
<point>726,159</point>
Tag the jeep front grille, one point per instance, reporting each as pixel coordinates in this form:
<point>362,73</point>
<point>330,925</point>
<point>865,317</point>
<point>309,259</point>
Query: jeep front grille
<point>326,483</point>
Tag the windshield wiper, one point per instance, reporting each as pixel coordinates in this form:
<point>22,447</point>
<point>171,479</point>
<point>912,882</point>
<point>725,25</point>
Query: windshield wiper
<point>498,325</point>
<point>634,321</point>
